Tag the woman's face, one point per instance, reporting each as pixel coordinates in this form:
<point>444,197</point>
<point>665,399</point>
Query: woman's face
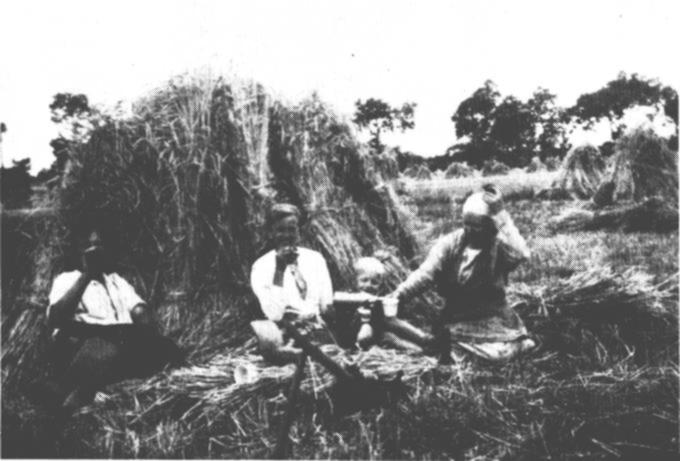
<point>286,232</point>
<point>480,231</point>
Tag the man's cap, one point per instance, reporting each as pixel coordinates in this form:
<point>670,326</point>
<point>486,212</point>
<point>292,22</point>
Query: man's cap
<point>281,211</point>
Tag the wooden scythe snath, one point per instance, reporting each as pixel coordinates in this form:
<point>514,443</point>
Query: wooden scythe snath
<point>350,381</point>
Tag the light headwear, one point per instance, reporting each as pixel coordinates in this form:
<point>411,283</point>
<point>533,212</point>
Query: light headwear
<point>476,206</point>
<point>281,211</point>
<point>485,203</point>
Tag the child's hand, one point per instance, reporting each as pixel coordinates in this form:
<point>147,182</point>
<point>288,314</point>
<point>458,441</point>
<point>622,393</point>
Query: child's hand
<point>365,335</point>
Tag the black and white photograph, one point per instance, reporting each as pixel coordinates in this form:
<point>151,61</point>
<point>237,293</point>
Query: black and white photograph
<point>296,229</point>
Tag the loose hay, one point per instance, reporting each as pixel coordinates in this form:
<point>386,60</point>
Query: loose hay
<point>599,295</point>
<point>212,386</point>
<point>204,400</point>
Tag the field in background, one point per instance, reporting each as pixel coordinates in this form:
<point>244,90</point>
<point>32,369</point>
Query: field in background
<point>515,185</point>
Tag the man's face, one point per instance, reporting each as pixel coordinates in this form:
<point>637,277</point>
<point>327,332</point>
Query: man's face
<point>286,232</point>
<point>94,251</point>
<point>480,231</point>
<point>369,282</point>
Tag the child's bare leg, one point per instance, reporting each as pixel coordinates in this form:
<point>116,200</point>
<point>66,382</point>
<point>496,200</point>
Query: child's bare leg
<point>391,340</point>
<point>408,332</point>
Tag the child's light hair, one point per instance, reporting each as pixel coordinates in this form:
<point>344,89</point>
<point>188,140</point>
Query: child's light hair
<point>370,265</point>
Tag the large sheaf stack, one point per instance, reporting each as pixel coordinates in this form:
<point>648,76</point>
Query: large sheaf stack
<point>582,171</point>
<point>190,175</point>
<point>638,191</point>
<point>184,183</point>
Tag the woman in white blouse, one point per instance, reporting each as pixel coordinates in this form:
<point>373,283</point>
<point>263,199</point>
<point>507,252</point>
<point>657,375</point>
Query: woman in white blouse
<point>290,282</point>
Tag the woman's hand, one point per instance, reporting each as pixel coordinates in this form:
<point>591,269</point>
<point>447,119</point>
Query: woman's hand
<point>493,198</point>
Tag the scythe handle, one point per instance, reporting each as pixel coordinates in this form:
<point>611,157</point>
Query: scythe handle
<point>317,354</point>
<point>283,441</point>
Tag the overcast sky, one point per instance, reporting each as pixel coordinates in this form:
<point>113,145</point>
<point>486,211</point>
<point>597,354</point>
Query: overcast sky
<point>432,53</point>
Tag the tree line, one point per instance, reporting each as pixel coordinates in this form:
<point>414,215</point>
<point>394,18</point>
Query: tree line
<point>490,126</point>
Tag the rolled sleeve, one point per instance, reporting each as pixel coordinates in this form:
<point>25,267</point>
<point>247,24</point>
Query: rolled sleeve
<point>424,276</point>
<point>128,294</point>
<point>62,283</point>
<point>513,249</point>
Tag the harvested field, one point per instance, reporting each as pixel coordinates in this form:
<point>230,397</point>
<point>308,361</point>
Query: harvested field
<point>603,304</point>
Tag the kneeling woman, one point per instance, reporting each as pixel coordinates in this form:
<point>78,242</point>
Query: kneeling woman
<point>469,268</point>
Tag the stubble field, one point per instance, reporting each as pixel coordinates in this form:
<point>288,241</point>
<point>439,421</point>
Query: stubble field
<point>600,387</point>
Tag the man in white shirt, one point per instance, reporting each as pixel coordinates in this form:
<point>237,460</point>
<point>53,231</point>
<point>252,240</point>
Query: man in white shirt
<point>290,282</point>
<point>102,330</point>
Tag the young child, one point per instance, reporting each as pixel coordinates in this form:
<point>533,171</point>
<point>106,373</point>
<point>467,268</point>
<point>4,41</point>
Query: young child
<point>381,326</point>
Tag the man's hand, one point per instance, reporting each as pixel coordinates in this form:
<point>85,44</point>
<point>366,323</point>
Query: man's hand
<point>285,256</point>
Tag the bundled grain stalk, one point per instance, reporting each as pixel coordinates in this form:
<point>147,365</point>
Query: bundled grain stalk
<point>494,168</point>
<point>602,293</point>
<point>536,165</point>
<point>459,170</point>
<point>644,167</point>
<point>582,171</point>
<point>639,193</point>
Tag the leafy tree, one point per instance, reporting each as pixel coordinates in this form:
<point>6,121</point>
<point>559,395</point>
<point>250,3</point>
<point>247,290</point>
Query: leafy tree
<point>473,118</point>
<point>551,120</point>
<point>16,184</point>
<point>626,91</point>
<point>379,116</point>
<point>76,118</point>
<point>513,131</point>
<point>508,130</point>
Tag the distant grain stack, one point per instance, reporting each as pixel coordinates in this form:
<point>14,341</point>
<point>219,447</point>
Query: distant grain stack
<point>582,171</point>
<point>418,172</point>
<point>494,168</point>
<point>639,193</point>
<point>644,167</point>
<point>536,165</point>
<point>459,170</point>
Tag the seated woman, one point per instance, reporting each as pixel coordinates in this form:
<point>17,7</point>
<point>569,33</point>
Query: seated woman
<point>103,331</point>
<point>290,282</point>
<point>469,268</point>
<point>365,326</point>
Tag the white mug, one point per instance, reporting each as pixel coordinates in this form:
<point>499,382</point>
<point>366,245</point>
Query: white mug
<point>390,306</point>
